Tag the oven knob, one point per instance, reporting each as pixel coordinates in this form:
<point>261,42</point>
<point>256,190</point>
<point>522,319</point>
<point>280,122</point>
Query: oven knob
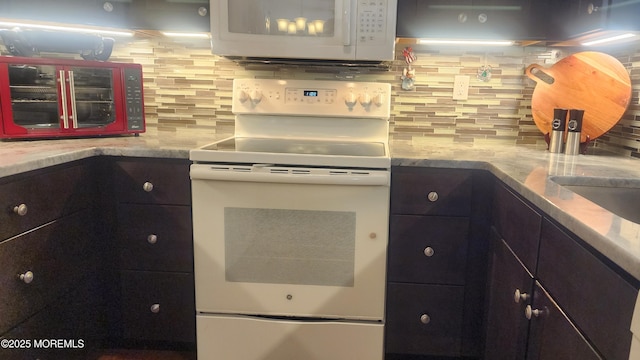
<point>256,97</point>
<point>365,100</point>
<point>378,99</point>
<point>350,100</point>
<point>243,96</point>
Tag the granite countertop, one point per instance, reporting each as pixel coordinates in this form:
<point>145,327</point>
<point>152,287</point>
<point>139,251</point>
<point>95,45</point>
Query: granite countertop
<point>525,169</point>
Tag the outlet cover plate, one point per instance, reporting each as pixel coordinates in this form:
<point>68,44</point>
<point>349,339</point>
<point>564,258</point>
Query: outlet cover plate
<point>461,87</point>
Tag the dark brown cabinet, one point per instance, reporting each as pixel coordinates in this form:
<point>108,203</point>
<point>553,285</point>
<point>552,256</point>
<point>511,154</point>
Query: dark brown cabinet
<point>523,320</point>
<point>172,15</point>
<point>167,15</point>
<point>48,258</point>
<point>114,13</point>
<point>598,299</point>
<point>472,19</point>
<point>519,225</point>
<point>552,336</point>
<point>578,18</point>
<point>430,291</point>
<point>99,250</point>
<point>550,295</point>
<point>510,287</point>
<point>154,232</point>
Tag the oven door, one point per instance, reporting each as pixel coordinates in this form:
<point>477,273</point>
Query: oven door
<point>290,241</point>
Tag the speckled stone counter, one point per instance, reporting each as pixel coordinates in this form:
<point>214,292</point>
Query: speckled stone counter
<point>528,170</point>
<point>525,169</point>
<point>24,155</point>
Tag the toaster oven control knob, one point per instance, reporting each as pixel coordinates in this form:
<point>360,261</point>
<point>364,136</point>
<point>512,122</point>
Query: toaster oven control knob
<point>365,100</point>
<point>256,97</point>
<point>155,308</point>
<point>351,100</point>
<point>147,186</point>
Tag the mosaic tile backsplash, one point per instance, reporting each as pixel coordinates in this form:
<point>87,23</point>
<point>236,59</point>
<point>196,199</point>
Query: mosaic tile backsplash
<point>187,86</point>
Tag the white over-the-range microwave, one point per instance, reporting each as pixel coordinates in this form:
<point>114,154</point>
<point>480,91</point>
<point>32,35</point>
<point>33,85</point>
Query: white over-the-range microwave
<point>356,30</point>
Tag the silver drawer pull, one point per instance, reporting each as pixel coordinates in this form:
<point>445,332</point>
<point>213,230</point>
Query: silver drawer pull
<point>20,209</point>
<point>155,308</point>
<point>520,296</point>
<point>152,239</point>
<point>147,186</point>
<point>428,251</point>
<point>27,277</point>
<point>432,196</point>
<point>425,319</point>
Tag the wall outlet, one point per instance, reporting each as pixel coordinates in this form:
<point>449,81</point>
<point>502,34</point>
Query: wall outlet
<point>461,87</point>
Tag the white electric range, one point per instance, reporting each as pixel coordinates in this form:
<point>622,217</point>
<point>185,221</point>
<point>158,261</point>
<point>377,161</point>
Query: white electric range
<point>291,223</point>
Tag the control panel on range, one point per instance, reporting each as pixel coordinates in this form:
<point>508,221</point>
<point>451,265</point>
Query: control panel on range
<point>311,98</point>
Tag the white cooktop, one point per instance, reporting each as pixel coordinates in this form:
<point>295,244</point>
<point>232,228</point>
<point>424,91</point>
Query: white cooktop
<point>306,123</point>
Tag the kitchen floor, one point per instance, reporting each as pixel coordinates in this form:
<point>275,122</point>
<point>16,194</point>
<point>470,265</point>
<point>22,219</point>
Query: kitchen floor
<point>142,355</point>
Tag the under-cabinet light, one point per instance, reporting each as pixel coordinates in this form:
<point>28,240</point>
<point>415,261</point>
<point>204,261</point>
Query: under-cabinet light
<point>80,29</point>
<point>609,39</point>
<point>467,42</point>
<point>186,35</point>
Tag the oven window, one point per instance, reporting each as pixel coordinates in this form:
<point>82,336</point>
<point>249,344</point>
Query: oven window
<point>280,246</point>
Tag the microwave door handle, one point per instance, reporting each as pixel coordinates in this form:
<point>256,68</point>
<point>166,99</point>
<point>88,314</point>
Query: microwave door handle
<point>346,22</point>
<point>63,93</point>
<point>72,91</point>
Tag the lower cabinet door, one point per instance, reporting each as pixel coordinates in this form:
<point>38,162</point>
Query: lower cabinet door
<point>231,337</point>
<point>424,319</point>
<point>510,287</point>
<point>158,306</point>
<point>552,336</point>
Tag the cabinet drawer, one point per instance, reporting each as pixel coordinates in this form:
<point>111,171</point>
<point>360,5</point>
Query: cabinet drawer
<point>518,224</point>
<point>152,181</point>
<point>431,191</point>
<point>424,319</point>
<point>74,316</point>
<point>598,300</point>
<point>56,255</point>
<point>428,249</point>
<point>158,306</point>
<point>155,237</point>
<point>43,196</point>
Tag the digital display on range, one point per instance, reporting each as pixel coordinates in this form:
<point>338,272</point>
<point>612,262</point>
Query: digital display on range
<point>312,93</point>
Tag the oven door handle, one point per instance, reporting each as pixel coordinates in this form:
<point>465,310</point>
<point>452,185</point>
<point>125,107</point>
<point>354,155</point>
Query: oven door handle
<point>357,178</point>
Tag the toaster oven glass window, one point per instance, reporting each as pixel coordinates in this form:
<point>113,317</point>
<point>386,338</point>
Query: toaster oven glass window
<point>283,17</point>
<point>34,96</point>
<point>93,94</point>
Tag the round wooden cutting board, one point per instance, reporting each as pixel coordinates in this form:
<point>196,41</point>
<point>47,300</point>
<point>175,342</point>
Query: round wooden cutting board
<point>592,81</point>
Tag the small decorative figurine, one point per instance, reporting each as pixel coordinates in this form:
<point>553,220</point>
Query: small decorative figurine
<point>408,74</point>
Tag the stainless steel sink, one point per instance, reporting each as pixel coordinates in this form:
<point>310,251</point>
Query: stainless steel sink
<point>619,196</point>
